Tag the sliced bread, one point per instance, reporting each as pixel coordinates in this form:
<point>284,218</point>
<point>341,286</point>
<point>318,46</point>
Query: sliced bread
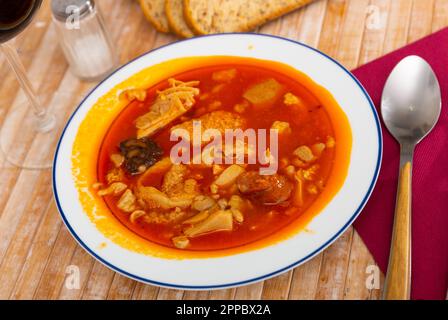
<point>216,16</point>
<point>174,10</point>
<point>154,11</point>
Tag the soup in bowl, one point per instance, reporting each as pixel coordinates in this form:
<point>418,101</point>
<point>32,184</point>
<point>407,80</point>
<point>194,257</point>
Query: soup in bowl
<point>222,155</point>
<point>216,161</point>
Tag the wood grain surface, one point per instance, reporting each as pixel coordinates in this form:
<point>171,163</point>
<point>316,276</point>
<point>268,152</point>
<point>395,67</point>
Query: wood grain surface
<point>38,256</point>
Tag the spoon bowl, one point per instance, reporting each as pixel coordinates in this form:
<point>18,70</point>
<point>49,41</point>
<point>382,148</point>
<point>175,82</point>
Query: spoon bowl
<point>411,101</point>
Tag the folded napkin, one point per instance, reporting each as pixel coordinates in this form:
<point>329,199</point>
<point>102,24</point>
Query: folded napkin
<point>430,178</point>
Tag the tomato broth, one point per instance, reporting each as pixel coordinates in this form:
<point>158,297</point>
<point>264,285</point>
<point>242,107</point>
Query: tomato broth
<point>309,125</point>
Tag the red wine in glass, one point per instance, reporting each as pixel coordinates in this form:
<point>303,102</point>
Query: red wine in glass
<point>15,15</point>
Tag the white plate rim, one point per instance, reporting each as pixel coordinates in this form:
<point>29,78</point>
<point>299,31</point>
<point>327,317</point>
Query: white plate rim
<point>247,281</point>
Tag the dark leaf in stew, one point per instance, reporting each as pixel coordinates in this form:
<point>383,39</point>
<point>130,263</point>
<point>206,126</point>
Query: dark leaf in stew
<point>140,154</point>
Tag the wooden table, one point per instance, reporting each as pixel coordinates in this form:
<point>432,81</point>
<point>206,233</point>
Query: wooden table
<point>36,249</point>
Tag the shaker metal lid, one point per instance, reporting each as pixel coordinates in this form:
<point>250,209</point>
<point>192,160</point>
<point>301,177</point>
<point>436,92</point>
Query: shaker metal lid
<point>62,9</point>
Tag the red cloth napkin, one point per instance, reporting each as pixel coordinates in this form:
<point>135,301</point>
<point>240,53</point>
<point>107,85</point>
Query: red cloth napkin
<point>430,178</point>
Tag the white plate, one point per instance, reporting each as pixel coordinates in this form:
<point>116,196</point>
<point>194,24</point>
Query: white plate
<point>248,267</point>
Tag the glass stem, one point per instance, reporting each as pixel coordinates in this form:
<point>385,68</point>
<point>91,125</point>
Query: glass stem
<point>14,61</point>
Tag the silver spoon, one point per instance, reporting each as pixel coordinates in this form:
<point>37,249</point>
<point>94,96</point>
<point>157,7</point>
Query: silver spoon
<point>410,108</point>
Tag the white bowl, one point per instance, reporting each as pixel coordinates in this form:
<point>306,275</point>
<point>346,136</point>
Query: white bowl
<point>263,263</point>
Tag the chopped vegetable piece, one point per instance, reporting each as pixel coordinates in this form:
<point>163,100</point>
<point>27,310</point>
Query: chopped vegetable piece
<point>181,242</point>
<point>158,168</point>
<point>201,203</point>
<point>241,107</point>
<point>217,169</point>
<point>115,175</point>
<point>219,120</point>
<point>309,173</point>
<point>190,187</point>
<point>174,178</point>
<point>223,204</point>
<point>290,99</point>
<point>155,198</point>
<point>297,198</point>
<point>237,215</point>
<point>218,88</point>
<point>304,153</point>
<point>221,220</point>
<point>229,175</point>
<point>158,217</point>
<point>115,189</point>
<point>284,162</point>
<point>312,189</point>
<point>330,142</point>
<point>97,185</point>
<point>282,127</point>
<point>127,201</point>
<point>318,148</point>
<point>298,163</point>
<point>224,75</point>
<point>263,92</point>
<point>197,218</point>
<point>236,202</point>
<point>169,105</point>
<point>213,188</point>
<point>117,159</point>
<point>290,171</point>
<point>136,215</point>
<point>134,94</point>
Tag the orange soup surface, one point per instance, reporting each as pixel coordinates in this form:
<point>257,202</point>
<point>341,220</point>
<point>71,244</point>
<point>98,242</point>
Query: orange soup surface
<point>190,211</point>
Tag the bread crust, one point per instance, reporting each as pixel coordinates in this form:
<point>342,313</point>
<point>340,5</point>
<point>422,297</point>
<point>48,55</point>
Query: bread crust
<point>278,13</point>
<point>181,28</point>
<point>191,21</point>
<point>160,24</point>
<point>200,27</point>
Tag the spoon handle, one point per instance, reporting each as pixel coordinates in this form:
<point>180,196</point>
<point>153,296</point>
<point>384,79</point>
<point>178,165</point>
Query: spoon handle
<point>398,279</point>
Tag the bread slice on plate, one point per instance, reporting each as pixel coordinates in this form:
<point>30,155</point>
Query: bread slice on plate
<point>174,10</point>
<point>154,11</point>
<point>216,16</point>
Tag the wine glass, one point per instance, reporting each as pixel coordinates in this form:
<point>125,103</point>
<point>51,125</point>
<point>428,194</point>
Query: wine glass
<point>15,16</point>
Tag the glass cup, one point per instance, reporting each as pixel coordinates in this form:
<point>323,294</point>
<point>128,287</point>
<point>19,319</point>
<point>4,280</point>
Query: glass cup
<point>15,16</point>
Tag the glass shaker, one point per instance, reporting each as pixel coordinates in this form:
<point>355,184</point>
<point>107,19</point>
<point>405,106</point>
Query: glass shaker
<point>84,38</point>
